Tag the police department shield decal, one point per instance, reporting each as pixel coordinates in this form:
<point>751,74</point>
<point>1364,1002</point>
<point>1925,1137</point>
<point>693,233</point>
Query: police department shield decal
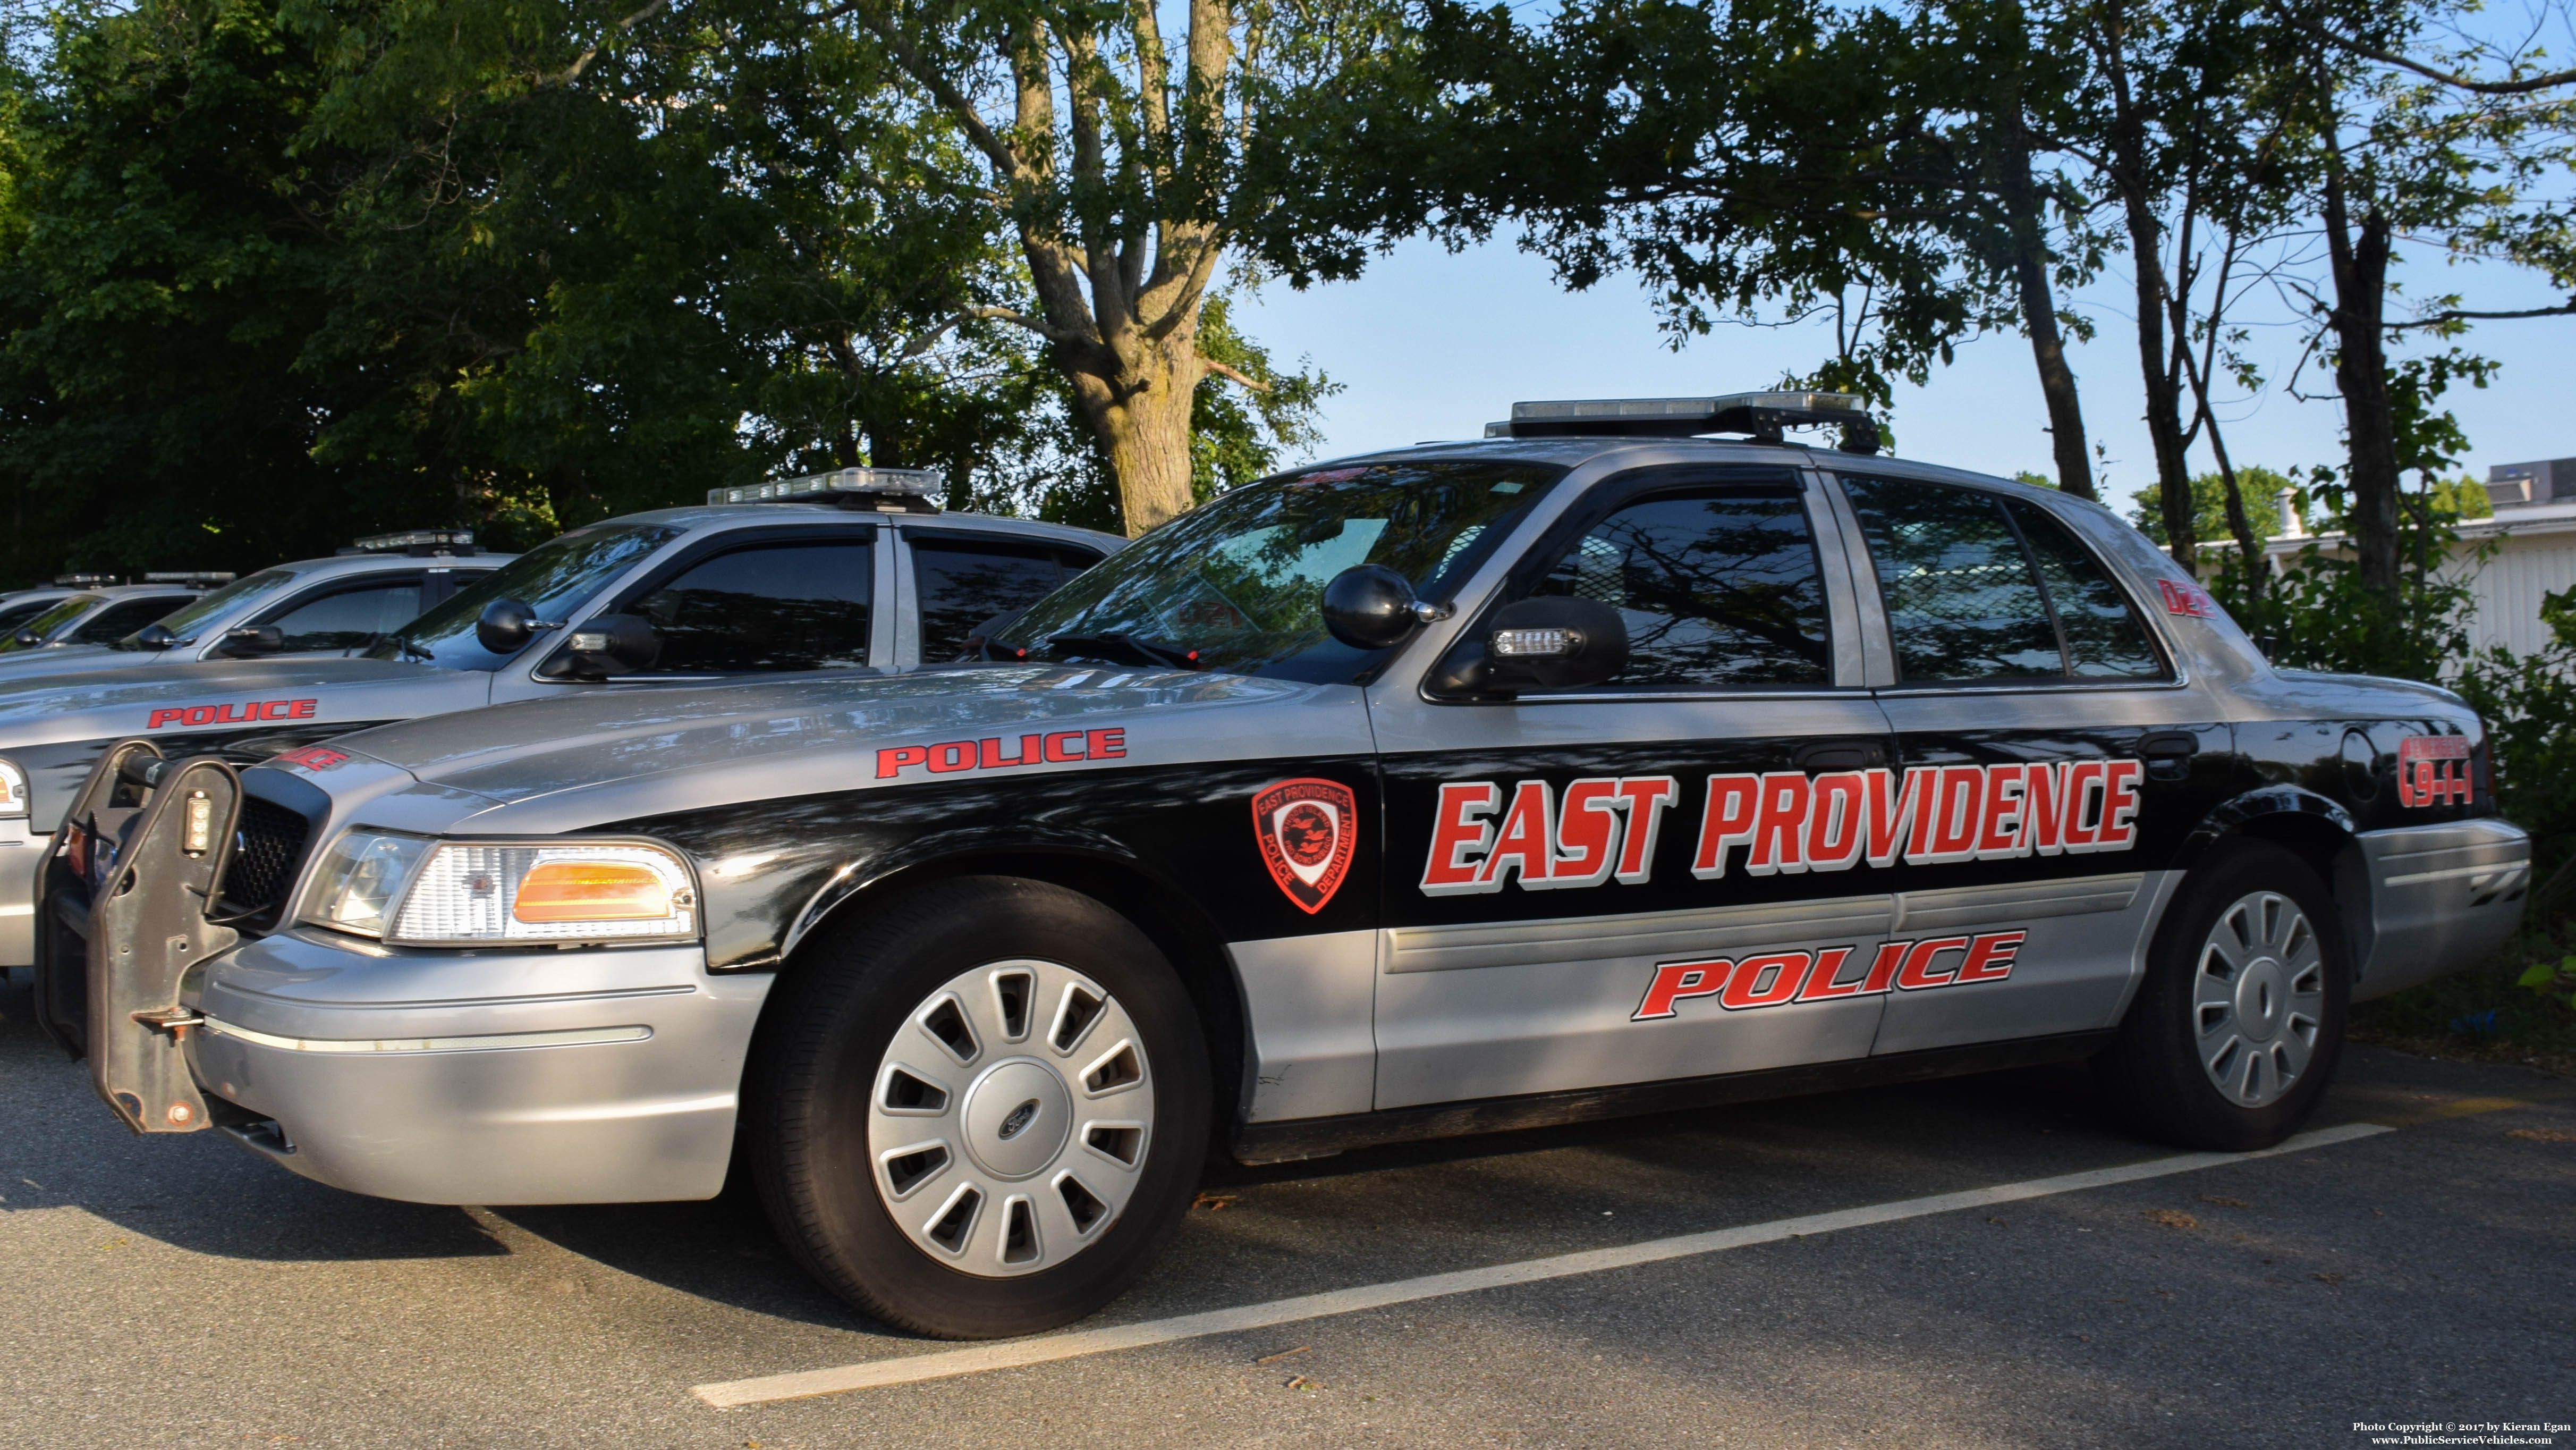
<point>1306,829</point>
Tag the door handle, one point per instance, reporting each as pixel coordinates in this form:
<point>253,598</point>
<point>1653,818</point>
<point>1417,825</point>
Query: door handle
<point>1861,754</point>
<point>2168,753</point>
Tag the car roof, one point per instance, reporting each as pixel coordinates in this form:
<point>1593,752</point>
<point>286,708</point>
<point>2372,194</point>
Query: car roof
<point>697,516</point>
<point>1577,451</point>
<point>371,563</point>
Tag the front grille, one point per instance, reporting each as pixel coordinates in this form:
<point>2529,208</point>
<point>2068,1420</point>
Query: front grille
<point>268,846</point>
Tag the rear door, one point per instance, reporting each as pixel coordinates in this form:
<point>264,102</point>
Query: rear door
<point>959,579</point>
<point>1617,884</point>
<point>2054,759</point>
<point>346,616</point>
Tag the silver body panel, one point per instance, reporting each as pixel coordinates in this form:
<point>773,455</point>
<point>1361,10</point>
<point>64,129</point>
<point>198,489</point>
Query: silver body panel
<point>2441,898</point>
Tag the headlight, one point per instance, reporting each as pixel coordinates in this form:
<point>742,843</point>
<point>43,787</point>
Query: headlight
<point>455,893</point>
<point>13,790</point>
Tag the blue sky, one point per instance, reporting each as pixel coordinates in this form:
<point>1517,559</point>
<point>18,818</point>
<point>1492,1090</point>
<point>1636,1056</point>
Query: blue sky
<point>1430,345</point>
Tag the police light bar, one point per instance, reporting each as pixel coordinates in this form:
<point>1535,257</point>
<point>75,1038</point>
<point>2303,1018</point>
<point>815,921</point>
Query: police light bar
<point>459,540</point>
<point>919,483</point>
<point>1760,414</point>
<point>200,579</point>
<point>86,581</point>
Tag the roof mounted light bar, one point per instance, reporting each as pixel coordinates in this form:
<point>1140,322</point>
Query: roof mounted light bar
<point>87,581</point>
<point>1762,415</point>
<point>858,487</point>
<point>415,541</point>
<point>198,578</point>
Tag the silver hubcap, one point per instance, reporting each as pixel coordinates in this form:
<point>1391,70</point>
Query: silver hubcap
<point>1009,1119</point>
<point>2258,998</point>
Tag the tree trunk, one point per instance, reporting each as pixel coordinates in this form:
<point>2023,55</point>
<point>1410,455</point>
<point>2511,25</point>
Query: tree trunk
<point>2039,308</point>
<point>2360,259</point>
<point>1142,419</point>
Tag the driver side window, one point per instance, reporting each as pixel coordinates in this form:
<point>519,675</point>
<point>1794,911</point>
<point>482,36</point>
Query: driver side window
<point>800,606</point>
<point>1719,587</point>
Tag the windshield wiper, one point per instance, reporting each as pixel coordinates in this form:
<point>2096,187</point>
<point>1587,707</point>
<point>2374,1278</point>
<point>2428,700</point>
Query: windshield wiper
<point>410,651</point>
<point>1126,649</point>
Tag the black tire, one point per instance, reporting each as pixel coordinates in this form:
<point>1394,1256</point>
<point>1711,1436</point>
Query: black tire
<point>2154,1074</point>
<point>816,1066</point>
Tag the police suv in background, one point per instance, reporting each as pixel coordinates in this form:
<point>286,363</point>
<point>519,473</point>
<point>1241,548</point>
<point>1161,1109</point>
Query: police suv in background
<point>1590,768</point>
<point>19,606</point>
<point>850,570</point>
<point>98,614</point>
<point>338,605</point>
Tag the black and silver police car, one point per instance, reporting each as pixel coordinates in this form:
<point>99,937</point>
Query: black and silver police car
<point>1589,768</point>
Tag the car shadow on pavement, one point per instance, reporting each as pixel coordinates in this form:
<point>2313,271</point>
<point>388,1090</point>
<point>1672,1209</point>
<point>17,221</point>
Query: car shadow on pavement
<point>720,1250</point>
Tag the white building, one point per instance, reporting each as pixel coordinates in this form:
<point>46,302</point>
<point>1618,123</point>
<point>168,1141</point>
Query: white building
<point>2534,531</point>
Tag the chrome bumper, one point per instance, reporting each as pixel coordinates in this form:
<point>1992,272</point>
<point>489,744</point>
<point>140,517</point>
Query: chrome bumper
<point>22,867</point>
<point>603,1076</point>
<point>2441,898</point>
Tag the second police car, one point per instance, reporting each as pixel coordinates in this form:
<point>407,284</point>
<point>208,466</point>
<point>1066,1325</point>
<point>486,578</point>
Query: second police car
<point>1587,769</point>
<point>855,569</point>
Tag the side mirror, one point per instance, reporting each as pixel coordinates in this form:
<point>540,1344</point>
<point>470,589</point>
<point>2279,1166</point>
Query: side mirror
<point>505,625</point>
<point>27,639</point>
<point>1537,644</point>
<point>155,637</point>
<point>612,644</point>
<point>264,639</point>
<point>1370,606</point>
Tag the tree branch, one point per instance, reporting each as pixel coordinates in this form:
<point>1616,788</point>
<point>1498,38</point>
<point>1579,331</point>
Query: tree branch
<point>2447,317</point>
<point>590,52</point>
<point>1222,370</point>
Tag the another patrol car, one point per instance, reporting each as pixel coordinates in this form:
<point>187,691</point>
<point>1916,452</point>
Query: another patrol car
<point>19,606</point>
<point>1578,771</point>
<point>100,613</point>
<point>855,569</point>
<point>339,605</point>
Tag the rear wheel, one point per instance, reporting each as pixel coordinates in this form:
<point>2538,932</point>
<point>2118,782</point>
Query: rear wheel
<point>2237,1027</point>
<point>983,1110</point>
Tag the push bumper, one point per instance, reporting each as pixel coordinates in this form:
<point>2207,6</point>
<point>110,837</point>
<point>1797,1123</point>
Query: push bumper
<point>602,1076</point>
<point>2441,898</point>
<point>22,870</point>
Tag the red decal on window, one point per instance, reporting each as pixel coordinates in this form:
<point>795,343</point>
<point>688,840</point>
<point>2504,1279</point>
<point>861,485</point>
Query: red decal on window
<point>2187,599</point>
<point>1306,830</point>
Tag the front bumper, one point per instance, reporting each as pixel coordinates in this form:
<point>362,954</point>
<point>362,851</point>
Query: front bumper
<point>22,870</point>
<point>2441,898</point>
<point>506,1077</point>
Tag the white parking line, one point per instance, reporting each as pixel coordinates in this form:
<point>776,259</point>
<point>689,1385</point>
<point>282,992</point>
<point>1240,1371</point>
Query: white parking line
<point>1012,1354</point>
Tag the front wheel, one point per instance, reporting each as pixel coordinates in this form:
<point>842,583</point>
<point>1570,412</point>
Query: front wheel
<point>982,1112</point>
<point>2237,1026</point>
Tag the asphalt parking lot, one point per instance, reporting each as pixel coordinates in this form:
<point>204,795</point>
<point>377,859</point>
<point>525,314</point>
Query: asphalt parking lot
<point>177,1291</point>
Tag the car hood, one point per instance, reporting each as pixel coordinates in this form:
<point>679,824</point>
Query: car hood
<point>563,764</point>
<point>71,659</point>
<point>101,704</point>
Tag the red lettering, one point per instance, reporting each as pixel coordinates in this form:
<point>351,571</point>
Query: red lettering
<point>1916,974</point>
<point>1787,972</point>
<point>989,754</point>
<point>198,715</point>
<point>2043,808</point>
<point>1525,841</point>
<point>1884,967</point>
<point>1990,957</point>
<point>1955,811</point>
<point>1676,980</point>
<point>1587,834</point>
<point>2082,779</point>
<point>1646,797</point>
<point>1999,825</point>
<point>1891,821</point>
<point>1780,830</point>
<point>1056,753</point>
<point>892,760</point>
<point>950,755</point>
<point>164,717</point>
<point>2120,804</point>
<point>1820,979</point>
<point>303,709</point>
<point>1733,803</point>
<point>273,709</point>
<point>1834,814</point>
<point>1106,744</point>
<point>1458,831</point>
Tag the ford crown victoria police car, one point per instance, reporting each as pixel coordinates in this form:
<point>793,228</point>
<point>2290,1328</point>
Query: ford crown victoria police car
<point>1577,771</point>
<point>853,569</point>
<point>339,605</point>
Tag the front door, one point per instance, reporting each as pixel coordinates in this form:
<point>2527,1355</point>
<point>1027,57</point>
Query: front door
<point>1621,884</point>
<point>2053,762</point>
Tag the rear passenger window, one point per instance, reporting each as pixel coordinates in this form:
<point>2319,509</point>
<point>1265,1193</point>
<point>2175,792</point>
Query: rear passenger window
<point>1719,587</point>
<point>960,585</point>
<point>119,620</point>
<point>769,607</point>
<point>1969,580</point>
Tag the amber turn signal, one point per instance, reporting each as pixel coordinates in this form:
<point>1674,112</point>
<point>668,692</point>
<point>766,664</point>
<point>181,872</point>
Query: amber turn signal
<point>560,891</point>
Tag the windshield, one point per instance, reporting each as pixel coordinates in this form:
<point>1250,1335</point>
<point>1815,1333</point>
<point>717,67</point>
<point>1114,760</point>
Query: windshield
<point>1239,581</point>
<point>555,578</point>
<point>44,625</point>
<point>207,606</point>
